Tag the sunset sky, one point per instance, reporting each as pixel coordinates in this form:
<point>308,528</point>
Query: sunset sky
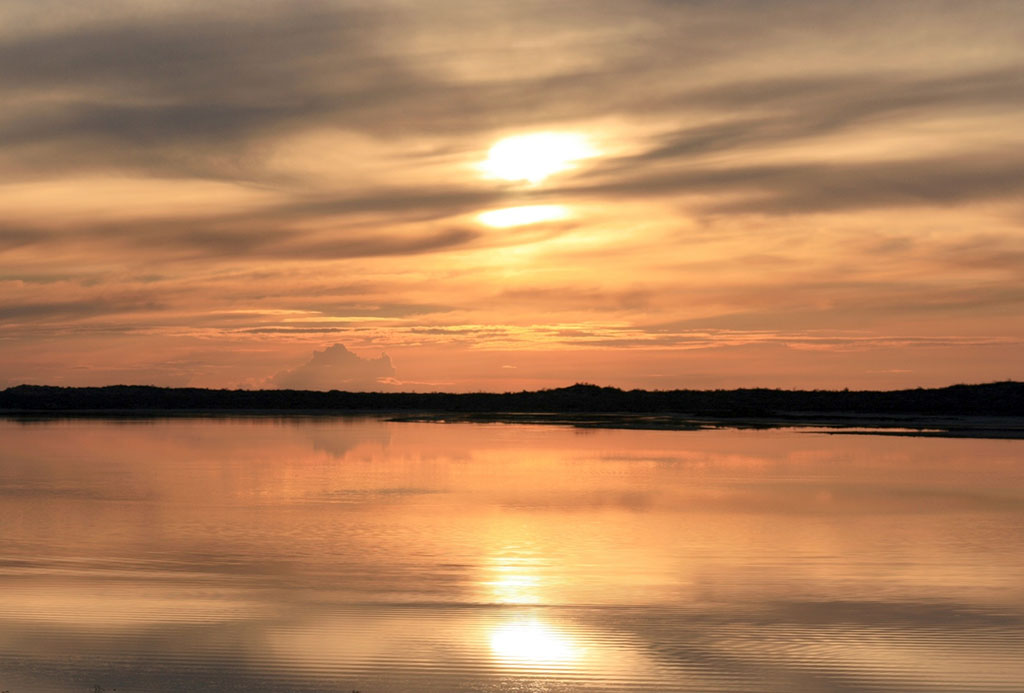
<point>511,194</point>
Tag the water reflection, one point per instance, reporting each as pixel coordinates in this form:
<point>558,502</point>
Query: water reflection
<point>356,554</point>
<point>530,642</point>
<point>513,582</point>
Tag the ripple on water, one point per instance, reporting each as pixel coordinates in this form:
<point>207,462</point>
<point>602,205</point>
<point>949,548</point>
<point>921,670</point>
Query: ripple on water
<point>262,556</point>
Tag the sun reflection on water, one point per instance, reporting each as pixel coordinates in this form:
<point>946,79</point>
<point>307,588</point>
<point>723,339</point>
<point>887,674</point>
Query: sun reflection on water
<point>515,575</point>
<point>530,641</point>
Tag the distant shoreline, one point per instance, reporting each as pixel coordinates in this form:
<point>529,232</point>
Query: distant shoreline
<point>992,410</point>
<point>1008,428</point>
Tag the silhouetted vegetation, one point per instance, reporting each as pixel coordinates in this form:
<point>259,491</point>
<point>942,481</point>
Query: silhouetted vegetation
<point>992,399</point>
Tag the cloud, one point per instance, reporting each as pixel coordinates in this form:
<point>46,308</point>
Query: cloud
<point>201,90</point>
<point>42,311</point>
<point>190,238</point>
<point>212,92</point>
<point>797,187</point>
<point>11,238</point>
<point>785,111</point>
<point>337,368</point>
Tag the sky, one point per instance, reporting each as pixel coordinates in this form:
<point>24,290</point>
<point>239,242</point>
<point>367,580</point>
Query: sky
<point>504,195</point>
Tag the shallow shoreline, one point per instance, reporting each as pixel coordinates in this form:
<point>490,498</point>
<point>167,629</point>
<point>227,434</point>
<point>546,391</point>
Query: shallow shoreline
<point>1010,428</point>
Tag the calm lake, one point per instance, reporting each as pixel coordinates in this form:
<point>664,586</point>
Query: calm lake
<point>341,554</point>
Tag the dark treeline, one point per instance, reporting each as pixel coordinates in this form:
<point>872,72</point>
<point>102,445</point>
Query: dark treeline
<point>993,399</point>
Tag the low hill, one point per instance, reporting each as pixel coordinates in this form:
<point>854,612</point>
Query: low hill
<point>991,399</point>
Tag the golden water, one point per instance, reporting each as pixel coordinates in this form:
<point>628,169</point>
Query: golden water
<point>357,554</point>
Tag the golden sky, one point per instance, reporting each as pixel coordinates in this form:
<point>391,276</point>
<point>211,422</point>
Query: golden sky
<point>506,195</point>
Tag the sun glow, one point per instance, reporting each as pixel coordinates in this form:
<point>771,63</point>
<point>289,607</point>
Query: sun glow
<point>521,216</point>
<point>532,158</point>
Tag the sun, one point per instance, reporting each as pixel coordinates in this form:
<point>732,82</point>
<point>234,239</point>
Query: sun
<point>532,158</point>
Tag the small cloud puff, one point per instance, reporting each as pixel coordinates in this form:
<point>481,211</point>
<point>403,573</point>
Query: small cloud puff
<point>337,368</point>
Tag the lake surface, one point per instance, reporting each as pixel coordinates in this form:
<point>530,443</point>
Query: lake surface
<point>358,554</point>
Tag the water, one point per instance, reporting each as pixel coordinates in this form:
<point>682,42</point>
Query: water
<point>357,554</point>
